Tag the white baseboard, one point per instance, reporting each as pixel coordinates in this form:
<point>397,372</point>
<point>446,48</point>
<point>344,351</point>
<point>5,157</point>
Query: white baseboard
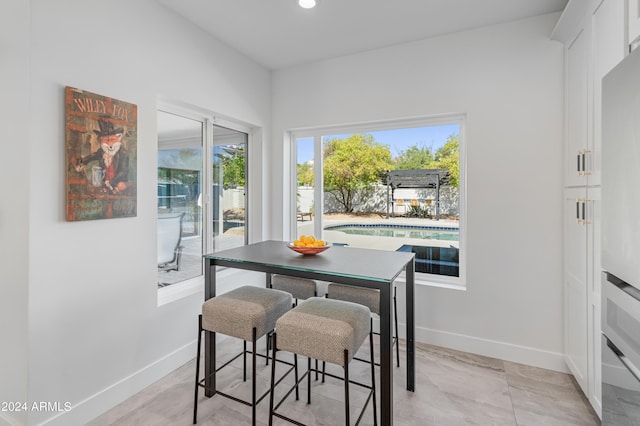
<point>6,419</point>
<point>99,403</point>
<point>490,348</point>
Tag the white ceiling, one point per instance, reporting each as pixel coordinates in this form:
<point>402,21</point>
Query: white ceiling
<point>279,34</point>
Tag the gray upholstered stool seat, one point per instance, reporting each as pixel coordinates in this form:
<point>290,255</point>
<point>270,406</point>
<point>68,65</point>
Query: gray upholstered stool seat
<point>247,313</point>
<point>299,288</point>
<point>324,329</point>
<point>368,297</point>
<point>328,330</point>
<point>239,311</point>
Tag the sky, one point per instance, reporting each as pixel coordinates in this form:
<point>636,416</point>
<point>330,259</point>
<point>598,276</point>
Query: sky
<point>398,139</point>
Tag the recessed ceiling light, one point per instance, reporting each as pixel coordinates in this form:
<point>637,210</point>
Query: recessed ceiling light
<point>307,4</point>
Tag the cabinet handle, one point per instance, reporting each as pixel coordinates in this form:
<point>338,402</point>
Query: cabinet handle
<point>578,210</point>
<point>579,166</point>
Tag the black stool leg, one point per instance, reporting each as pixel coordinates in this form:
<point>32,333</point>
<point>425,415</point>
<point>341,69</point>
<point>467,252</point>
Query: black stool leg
<point>373,380</point>
<point>273,378</point>
<point>253,378</point>
<point>244,360</point>
<point>195,398</point>
<point>316,369</point>
<point>295,372</point>
<point>309,380</point>
<point>346,387</point>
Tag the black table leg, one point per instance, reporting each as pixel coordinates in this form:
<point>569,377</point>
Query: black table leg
<point>410,307</point>
<point>209,340</point>
<point>386,355</point>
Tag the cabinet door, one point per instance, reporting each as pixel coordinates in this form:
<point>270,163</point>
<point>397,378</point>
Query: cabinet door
<point>634,21</point>
<point>594,272</point>
<point>608,47</point>
<point>575,286</point>
<point>577,91</point>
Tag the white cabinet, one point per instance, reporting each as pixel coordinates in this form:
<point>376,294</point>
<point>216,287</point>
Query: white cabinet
<point>634,21</point>
<point>582,289</point>
<point>595,48</point>
<point>594,35</point>
<point>593,226</point>
<point>577,113</point>
<point>575,286</point>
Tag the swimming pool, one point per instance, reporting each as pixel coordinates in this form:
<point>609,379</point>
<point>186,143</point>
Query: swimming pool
<point>398,231</point>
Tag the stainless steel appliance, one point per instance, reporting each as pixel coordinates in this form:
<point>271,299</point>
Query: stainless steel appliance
<point>620,353</point>
<point>621,243</point>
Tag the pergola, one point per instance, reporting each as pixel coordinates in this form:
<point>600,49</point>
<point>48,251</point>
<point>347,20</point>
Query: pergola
<point>416,178</point>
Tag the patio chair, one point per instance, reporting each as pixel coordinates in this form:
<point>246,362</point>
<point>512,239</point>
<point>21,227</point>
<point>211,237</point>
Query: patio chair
<point>400,203</point>
<point>301,215</point>
<point>169,239</point>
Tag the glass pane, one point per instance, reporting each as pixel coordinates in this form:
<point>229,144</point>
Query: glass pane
<point>395,190</point>
<point>179,196</point>
<point>304,186</point>
<point>228,200</point>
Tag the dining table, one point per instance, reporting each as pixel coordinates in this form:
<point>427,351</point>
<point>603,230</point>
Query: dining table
<point>361,267</point>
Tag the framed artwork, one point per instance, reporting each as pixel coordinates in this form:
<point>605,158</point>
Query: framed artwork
<point>101,156</point>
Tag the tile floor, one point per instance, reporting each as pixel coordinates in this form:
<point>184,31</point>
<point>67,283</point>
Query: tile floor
<point>452,388</point>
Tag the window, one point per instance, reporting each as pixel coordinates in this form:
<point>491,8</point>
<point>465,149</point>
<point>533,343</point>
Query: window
<point>395,185</point>
<point>201,187</point>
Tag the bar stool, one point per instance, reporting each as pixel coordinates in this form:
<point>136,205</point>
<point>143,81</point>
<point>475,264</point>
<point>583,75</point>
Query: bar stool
<point>247,313</point>
<point>329,330</point>
<point>370,298</point>
<point>299,288</point>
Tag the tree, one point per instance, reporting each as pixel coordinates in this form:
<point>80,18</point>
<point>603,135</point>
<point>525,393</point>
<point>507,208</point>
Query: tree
<point>305,174</point>
<point>414,157</point>
<point>448,157</point>
<point>352,165</point>
<point>232,159</point>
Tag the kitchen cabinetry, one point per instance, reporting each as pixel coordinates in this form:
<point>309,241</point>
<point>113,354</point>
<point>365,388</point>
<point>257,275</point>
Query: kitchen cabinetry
<point>582,288</point>
<point>634,22</point>
<point>595,40</point>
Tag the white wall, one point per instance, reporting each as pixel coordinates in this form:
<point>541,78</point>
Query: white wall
<point>14,221</point>
<point>96,332</point>
<point>507,79</point>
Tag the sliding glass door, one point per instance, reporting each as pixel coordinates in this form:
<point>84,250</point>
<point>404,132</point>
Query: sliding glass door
<point>201,192</point>
<point>229,183</point>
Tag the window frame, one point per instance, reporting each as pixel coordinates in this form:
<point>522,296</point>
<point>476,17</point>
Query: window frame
<point>318,132</point>
<point>191,286</point>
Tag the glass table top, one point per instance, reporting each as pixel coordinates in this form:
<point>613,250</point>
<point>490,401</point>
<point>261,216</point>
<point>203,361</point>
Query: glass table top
<point>372,265</point>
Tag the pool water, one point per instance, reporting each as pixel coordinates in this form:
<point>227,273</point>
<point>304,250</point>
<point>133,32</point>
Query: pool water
<point>399,231</point>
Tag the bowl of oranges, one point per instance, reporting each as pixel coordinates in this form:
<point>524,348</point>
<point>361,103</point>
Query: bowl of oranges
<point>308,244</point>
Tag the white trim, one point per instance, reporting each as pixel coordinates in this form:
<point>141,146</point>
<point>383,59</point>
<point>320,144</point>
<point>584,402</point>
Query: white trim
<point>318,192</point>
<point>208,119</point>
<point>180,290</point>
<point>317,132</point>
<point>7,418</point>
<point>102,401</point>
<point>374,126</point>
<point>490,348</point>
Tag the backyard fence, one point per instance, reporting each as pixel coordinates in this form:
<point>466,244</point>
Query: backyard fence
<point>374,199</point>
